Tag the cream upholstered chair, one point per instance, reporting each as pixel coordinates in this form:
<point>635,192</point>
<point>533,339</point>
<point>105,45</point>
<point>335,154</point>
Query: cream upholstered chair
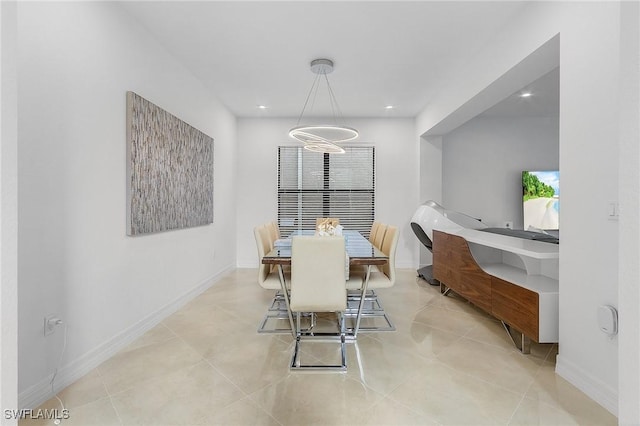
<point>385,276</point>
<point>266,278</point>
<point>318,285</point>
<point>274,231</point>
<point>269,278</point>
<point>274,234</point>
<point>379,277</point>
<point>382,229</point>
<point>357,273</point>
<point>374,230</point>
<point>376,236</point>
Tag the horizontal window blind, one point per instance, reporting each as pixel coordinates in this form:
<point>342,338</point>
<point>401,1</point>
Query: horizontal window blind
<point>312,185</point>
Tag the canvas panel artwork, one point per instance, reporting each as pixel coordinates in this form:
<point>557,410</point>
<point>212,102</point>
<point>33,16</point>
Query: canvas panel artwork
<point>169,171</point>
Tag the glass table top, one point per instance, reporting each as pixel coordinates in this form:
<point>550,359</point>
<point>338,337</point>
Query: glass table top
<point>359,250</point>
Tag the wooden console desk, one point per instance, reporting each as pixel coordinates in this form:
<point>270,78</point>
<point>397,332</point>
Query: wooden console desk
<point>513,279</point>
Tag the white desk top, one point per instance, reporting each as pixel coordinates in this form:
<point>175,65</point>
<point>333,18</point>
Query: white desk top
<point>530,248</point>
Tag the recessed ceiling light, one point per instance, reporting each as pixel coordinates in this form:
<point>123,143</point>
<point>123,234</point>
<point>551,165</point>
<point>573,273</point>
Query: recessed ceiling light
<point>525,94</point>
<point>262,106</point>
<point>389,107</point>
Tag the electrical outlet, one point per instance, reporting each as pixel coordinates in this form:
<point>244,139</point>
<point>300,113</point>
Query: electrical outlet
<point>51,321</point>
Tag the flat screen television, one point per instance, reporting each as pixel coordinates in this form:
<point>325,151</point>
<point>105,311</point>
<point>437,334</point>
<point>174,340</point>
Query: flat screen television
<point>541,199</point>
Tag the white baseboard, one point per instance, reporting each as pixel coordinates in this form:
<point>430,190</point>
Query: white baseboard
<point>38,393</point>
<point>595,389</point>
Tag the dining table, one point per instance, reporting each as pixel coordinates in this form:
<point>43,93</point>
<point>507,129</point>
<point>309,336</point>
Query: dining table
<point>360,252</point>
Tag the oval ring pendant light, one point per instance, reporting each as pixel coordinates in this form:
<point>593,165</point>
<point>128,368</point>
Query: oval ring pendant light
<point>323,137</point>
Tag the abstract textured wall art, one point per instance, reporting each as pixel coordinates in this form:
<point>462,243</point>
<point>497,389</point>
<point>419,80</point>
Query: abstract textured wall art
<point>169,171</point>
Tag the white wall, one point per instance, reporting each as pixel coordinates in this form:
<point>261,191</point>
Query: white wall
<point>76,62</point>
<point>8,212</point>
<point>629,188</point>
<point>589,142</point>
<point>397,178</point>
<point>430,180</point>
<point>483,160</point>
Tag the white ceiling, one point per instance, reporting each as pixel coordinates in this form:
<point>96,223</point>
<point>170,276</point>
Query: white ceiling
<point>543,102</point>
<point>258,53</point>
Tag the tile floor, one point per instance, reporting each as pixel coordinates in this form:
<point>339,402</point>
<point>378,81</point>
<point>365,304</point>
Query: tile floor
<point>448,363</point>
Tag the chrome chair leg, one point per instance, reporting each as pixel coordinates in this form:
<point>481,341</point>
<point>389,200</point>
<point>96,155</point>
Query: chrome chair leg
<point>280,315</point>
<point>343,349</point>
<point>364,292</point>
<point>296,365</point>
<point>375,311</point>
<point>277,312</point>
<point>283,284</point>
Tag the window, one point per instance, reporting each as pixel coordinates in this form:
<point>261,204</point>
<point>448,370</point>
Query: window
<point>312,185</point>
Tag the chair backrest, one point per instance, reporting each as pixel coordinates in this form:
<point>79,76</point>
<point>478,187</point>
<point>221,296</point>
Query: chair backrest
<point>374,230</point>
<point>271,237</point>
<point>274,231</point>
<point>382,230</point>
<point>318,280</point>
<point>389,246</point>
<point>261,233</point>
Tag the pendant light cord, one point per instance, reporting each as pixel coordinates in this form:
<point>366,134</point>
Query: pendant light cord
<point>306,102</point>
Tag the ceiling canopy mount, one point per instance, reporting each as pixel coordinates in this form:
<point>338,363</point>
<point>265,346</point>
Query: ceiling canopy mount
<point>322,66</point>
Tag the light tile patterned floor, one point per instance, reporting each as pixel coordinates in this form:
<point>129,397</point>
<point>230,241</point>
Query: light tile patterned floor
<point>448,363</point>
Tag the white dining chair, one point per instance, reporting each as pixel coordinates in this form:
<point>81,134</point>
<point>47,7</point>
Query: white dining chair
<point>274,231</point>
<point>357,273</point>
<point>374,231</point>
<point>383,276</point>
<point>269,279</point>
<point>318,285</point>
<point>273,234</point>
<point>382,230</point>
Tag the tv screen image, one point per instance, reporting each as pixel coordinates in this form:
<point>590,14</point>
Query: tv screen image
<point>541,199</point>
